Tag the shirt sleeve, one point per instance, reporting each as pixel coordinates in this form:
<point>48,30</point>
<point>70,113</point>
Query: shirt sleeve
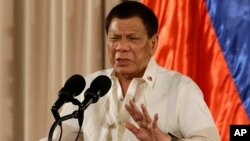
<point>195,119</point>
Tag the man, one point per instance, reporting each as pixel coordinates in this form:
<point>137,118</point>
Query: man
<point>171,104</point>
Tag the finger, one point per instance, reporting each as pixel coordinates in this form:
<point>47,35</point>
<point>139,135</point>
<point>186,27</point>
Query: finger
<point>158,135</point>
<point>137,113</point>
<point>140,123</point>
<point>132,128</point>
<point>129,109</point>
<point>154,124</point>
<point>132,113</point>
<point>145,113</point>
<point>134,107</point>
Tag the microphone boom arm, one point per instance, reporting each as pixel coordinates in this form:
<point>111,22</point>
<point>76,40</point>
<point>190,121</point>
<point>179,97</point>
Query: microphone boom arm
<point>59,121</point>
<point>54,109</point>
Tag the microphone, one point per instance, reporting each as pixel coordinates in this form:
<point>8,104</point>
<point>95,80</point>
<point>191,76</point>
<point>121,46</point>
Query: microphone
<point>72,87</point>
<point>98,88</point>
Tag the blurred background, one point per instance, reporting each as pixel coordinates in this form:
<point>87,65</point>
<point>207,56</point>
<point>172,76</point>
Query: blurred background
<point>44,42</point>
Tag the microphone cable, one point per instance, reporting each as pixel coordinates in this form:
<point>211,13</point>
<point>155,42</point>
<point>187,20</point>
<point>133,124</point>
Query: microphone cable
<point>61,129</point>
<point>78,133</point>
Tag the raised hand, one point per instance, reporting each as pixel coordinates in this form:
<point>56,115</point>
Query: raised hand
<point>148,129</point>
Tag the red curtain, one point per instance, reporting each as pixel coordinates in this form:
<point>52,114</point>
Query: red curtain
<point>188,44</point>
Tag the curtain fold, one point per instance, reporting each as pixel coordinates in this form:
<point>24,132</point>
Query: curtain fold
<point>43,43</point>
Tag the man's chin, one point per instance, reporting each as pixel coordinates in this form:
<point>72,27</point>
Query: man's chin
<point>123,71</point>
<point>127,74</point>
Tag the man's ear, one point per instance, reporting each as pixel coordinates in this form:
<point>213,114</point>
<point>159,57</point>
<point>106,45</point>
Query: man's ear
<point>154,43</point>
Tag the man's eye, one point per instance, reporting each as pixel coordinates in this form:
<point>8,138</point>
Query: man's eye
<point>133,38</point>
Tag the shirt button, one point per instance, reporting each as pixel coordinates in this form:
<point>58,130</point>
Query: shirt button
<point>120,122</point>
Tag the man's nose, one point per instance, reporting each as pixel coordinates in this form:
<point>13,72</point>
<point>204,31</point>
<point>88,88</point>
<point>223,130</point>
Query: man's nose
<point>123,46</point>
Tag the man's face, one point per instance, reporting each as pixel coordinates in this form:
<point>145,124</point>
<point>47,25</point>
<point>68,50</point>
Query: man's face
<point>129,47</point>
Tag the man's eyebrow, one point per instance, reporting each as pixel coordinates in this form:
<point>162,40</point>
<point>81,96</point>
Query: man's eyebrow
<point>133,34</point>
<point>115,36</point>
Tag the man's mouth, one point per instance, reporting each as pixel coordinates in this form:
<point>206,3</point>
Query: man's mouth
<point>122,61</point>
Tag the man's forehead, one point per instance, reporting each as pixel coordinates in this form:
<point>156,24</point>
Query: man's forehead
<point>131,23</point>
<point>127,26</point>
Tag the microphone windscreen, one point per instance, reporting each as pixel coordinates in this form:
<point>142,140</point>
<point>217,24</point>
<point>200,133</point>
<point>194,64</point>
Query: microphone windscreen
<point>74,85</point>
<point>101,84</point>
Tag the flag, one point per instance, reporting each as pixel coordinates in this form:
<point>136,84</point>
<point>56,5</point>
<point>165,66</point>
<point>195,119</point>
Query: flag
<point>209,40</point>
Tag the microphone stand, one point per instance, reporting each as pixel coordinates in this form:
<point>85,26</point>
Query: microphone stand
<point>56,114</point>
<point>75,114</point>
<point>79,114</point>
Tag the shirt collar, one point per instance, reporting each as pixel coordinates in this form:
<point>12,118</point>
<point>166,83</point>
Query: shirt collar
<point>149,74</point>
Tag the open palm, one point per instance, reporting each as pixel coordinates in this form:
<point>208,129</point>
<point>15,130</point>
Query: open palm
<point>147,129</point>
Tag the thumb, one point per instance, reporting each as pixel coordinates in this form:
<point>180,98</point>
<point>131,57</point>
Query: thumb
<point>154,124</point>
<point>158,135</point>
<point>155,130</point>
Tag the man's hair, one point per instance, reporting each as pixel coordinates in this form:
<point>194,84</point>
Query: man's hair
<point>130,9</point>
